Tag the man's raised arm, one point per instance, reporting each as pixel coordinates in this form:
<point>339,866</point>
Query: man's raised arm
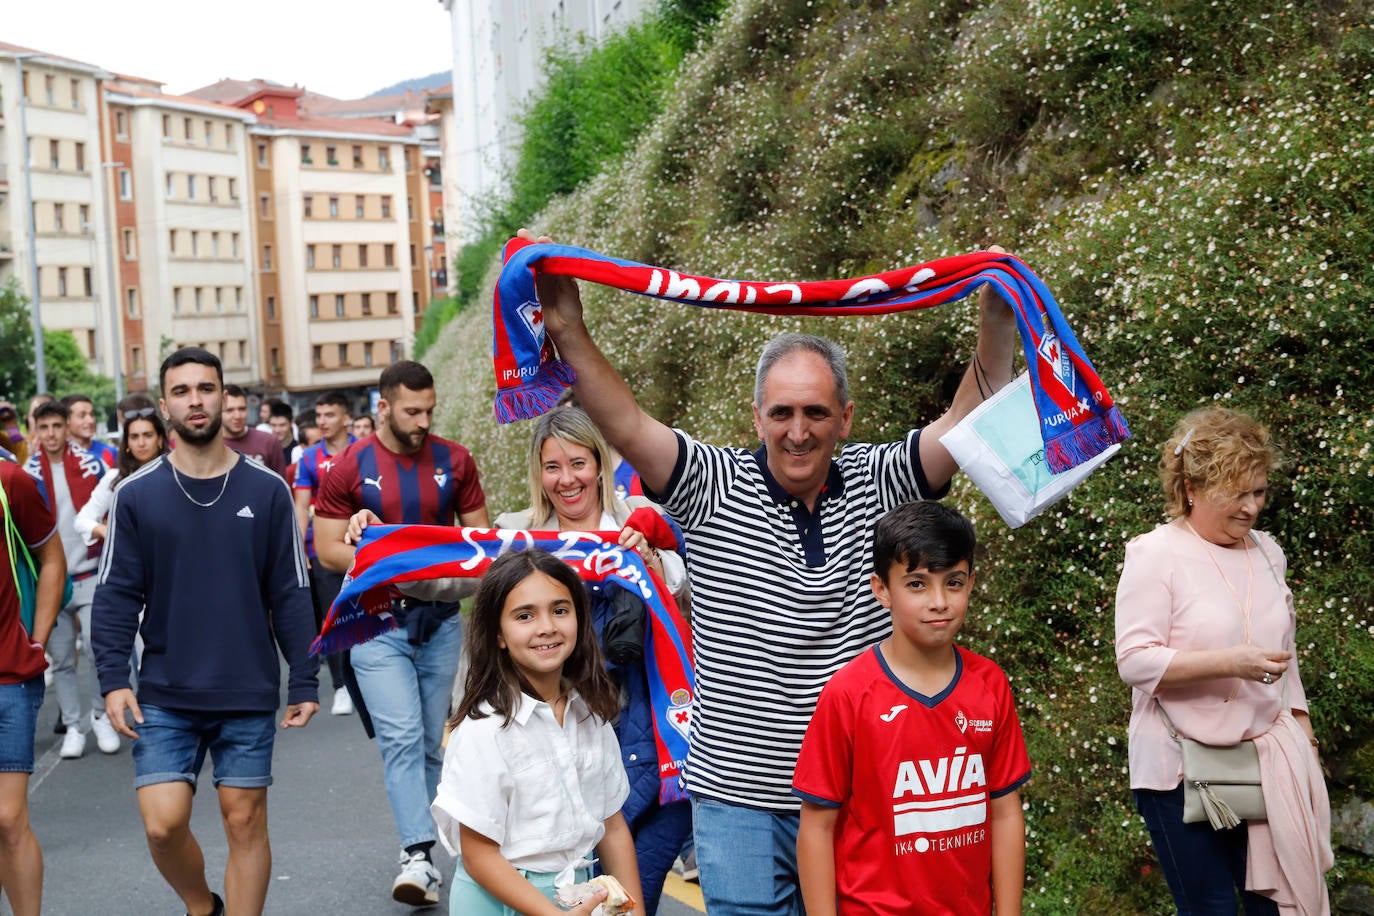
<point>990,371</point>
<point>649,446</point>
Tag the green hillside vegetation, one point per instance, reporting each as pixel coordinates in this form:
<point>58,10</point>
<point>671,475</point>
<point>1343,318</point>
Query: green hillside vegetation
<point>1191,179</point>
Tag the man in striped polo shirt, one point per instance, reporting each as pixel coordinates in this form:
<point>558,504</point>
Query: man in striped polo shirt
<point>780,551</point>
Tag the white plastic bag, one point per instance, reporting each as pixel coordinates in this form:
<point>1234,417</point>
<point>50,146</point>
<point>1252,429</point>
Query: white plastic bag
<point>999,447</point>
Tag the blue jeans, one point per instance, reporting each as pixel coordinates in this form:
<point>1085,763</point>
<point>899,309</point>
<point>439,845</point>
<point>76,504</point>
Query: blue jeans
<point>747,858</point>
<point>19,705</point>
<point>1205,868</point>
<point>172,744</point>
<point>407,691</point>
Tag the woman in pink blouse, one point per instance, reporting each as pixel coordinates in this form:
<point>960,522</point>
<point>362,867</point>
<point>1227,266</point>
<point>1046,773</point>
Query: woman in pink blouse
<point>1205,626</point>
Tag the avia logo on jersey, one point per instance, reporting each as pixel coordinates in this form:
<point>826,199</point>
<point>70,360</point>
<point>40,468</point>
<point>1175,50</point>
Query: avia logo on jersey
<point>892,713</point>
<point>952,794</point>
<point>964,723</point>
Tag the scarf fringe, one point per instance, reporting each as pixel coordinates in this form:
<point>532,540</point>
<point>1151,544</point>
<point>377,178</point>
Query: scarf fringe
<point>535,396</point>
<point>354,633</point>
<point>1077,445</point>
<point>672,789</point>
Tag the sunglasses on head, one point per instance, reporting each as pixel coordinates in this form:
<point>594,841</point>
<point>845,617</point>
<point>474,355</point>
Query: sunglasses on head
<point>139,414</point>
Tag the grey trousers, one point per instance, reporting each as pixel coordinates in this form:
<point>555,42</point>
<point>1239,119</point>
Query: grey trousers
<point>72,677</point>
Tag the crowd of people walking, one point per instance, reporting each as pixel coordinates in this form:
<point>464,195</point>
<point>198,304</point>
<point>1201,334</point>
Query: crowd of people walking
<point>847,755</point>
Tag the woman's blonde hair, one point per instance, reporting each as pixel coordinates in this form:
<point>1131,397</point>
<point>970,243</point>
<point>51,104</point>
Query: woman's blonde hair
<point>1215,450</point>
<point>570,424</point>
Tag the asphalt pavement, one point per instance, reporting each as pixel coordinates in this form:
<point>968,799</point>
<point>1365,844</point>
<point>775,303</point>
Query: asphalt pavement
<point>334,845</point>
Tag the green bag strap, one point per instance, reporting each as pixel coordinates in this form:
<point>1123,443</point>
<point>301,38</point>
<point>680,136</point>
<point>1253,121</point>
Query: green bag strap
<point>15,542</point>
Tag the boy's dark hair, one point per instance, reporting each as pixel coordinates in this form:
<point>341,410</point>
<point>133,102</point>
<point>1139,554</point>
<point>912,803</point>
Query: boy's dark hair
<point>280,409</point>
<point>492,676</point>
<point>306,419</point>
<point>406,373</point>
<point>73,399</point>
<point>924,533</point>
<point>235,391</point>
<point>335,399</point>
<point>198,355</point>
<point>51,409</point>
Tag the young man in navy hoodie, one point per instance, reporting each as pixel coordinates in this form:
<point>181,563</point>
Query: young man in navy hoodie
<point>206,544</point>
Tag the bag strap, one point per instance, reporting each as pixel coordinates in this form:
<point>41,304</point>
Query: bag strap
<point>14,542</point>
<point>1272,569</point>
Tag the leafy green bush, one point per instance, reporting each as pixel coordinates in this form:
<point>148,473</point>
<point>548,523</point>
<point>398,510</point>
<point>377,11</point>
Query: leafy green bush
<point>1190,178</point>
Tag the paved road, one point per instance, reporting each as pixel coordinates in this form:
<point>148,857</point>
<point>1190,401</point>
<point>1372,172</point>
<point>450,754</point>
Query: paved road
<point>333,842</point>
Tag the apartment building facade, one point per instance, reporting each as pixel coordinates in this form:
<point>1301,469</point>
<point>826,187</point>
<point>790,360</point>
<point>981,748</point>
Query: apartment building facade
<point>52,209</point>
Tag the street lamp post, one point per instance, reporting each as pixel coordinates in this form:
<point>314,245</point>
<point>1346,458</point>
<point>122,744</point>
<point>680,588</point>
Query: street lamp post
<point>116,350</point>
<point>40,366</point>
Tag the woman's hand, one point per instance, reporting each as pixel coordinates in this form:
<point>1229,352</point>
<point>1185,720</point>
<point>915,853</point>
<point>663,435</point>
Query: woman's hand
<point>632,539</point>
<point>357,522</point>
<point>1256,663</point>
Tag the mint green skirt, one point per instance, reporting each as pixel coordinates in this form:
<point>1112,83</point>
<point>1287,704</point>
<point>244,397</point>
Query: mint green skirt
<point>467,898</point>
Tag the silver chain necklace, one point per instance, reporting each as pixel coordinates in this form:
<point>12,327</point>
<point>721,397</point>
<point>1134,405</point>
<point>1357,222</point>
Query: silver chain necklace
<point>177,477</point>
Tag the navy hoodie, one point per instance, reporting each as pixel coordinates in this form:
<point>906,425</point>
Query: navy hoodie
<point>221,587</point>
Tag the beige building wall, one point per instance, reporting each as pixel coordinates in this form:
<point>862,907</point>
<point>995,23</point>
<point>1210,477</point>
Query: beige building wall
<point>368,173</point>
<point>65,171</point>
<point>195,241</point>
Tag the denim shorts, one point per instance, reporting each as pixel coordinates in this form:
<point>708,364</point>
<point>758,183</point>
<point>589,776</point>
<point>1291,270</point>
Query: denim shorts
<point>172,743</point>
<point>19,705</point>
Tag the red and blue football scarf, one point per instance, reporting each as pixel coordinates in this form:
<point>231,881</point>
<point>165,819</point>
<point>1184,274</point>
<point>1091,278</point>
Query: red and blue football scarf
<point>1078,418</point>
<point>392,554</point>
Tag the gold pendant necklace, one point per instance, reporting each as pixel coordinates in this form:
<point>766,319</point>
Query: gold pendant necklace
<point>1245,606</point>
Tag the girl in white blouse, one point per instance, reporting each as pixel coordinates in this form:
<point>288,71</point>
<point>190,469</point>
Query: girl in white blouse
<point>532,781</point>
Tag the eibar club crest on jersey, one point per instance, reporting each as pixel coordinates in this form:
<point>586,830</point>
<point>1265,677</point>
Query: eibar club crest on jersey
<point>440,478</point>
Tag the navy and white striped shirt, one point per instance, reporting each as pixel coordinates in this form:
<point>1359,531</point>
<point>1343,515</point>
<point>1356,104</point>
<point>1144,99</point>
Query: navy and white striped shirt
<point>776,610</point>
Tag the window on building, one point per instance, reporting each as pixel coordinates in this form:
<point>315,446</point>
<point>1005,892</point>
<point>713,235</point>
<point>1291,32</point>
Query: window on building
<point>413,262</point>
<point>87,284</point>
<point>195,244</point>
<point>307,205</point>
<point>166,127</point>
<point>310,256</point>
<point>83,214</point>
<point>219,299</point>
<point>367,303</point>
<point>238,298</point>
<point>339,310</point>
<point>305,154</point>
<point>214,244</point>
<point>54,154</point>
<point>343,354</point>
<point>362,256</point>
<point>209,133</point>
<point>136,360</point>
<point>386,206</point>
<point>172,242</point>
<point>76,93</point>
<point>410,159</point>
<point>396,352</point>
<point>190,187</point>
<point>331,155</point>
<point>367,353</point>
<point>50,89</point>
<point>317,356</point>
<point>266,257</point>
<point>131,302</point>
<point>383,158</point>
<point>233,189</point>
<point>126,185</point>
<point>243,352</point>
<point>276,361</point>
<point>176,299</point>
<point>357,157</point>
<point>187,130</point>
<point>314,306</point>
<point>80,157</point>
<point>210,190</point>
<point>122,124</point>
<point>272,308</point>
<point>265,205</point>
<point>359,207</point>
<point>219,351</point>
<point>391,304</point>
<point>333,206</point>
<point>228,136</point>
<point>129,244</point>
<point>199,299</point>
<point>59,220</point>
<point>262,155</point>
<point>389,255</point>
<point>410,209</point>
<point>336,256</point>
<point>171,186</point>
<point>235,240</point>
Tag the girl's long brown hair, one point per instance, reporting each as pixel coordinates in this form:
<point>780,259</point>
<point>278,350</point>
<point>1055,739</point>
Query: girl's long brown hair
<point>493,678</point>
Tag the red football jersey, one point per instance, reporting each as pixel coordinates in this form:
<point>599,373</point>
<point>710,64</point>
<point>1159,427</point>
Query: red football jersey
<point>913,777</point>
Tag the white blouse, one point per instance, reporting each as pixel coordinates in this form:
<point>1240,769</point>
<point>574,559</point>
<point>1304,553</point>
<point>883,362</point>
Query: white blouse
<point>541,791</point>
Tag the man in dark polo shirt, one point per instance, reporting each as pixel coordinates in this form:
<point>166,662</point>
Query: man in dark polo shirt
<point>252,443</point>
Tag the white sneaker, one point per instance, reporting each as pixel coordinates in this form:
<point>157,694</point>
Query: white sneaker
<point>418,883</point>
<point>73,743</point>
<point>343,703</point>
<point>106,738</point>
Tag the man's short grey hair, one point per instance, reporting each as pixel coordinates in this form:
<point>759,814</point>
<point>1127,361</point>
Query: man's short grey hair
<point>787,344</point>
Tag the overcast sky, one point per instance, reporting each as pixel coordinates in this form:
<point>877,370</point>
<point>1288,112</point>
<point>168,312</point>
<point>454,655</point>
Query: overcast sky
<point>342,48</point>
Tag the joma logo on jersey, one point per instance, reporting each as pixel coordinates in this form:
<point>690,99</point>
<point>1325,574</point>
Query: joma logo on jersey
<point>940,777</point>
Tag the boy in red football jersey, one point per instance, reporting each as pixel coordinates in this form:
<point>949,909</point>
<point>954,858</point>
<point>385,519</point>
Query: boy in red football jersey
<point>910,768</point>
